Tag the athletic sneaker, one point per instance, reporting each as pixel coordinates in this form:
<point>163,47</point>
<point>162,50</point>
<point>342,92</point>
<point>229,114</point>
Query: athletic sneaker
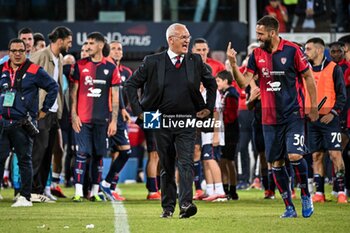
<point>307,206</point>
<point>107,191</point>
<point>118,197</point>
<point>199,195</point>
<point>50,196</point>
<point>1,198</point>
<point>77,198</point>
<point>242,185</point>
<point>96,198</point>
<point>154,196</point>
<point>22,202</point>
<point>319,197</point>
<point>216,198</point>
<point>268,194</point>
<point>233,196</point>
<point>39,198</point>
<point>102,196</point>
<point>16,197</point>
<point>57,191</point>
<point>289,213</point>
<point>342,198</point>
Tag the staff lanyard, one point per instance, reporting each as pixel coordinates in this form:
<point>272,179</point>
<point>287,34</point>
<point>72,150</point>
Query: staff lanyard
<point>13,78</point>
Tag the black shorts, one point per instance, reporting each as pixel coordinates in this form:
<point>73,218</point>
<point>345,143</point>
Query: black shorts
<point>231,141</point>
<point>282,139</point>
<point>323,137</point>
<point>121,138</point>
<point>258,137</point>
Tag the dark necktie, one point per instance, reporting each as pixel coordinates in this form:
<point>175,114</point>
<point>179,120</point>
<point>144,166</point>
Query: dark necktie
<point>178,62</point>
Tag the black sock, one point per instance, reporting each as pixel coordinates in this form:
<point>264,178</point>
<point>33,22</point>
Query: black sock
<point>232,189</point>
<point>319,183</point>
<point>225,188</point>
<point>300,169</point>
<point>271,182</point>
<point>339,181</point>
<point>265,182</point>
<point>281,179</point>
<point>197,174</point>
<point>118,164</point>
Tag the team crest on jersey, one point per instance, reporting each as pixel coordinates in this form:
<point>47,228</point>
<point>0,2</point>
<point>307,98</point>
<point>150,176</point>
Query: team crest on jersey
<point>283,60</point>
<point>89,80</point>
<point>86,70</point>
<point>105,71</point>
<point>265,72</point>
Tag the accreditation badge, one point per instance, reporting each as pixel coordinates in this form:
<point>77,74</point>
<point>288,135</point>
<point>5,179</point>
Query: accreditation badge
<point>9,99</point>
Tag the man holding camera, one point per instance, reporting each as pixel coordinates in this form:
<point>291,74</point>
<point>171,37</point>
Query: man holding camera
<point>20,81</point>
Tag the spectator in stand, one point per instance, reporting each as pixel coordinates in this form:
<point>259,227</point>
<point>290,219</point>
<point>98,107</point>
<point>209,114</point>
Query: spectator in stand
<point>201,7</point>
<point>342,9</point>
<point>308,11</point>
<point>277,10</point>
<point>290,5</point>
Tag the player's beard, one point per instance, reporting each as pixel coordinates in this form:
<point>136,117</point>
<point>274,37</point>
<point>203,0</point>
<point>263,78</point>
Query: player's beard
<point>267,44</point>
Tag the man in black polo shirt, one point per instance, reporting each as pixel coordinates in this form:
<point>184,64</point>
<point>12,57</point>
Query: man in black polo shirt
<point>171,80</point>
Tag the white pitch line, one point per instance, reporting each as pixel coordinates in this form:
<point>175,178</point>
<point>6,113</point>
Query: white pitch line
<point>120,218</point>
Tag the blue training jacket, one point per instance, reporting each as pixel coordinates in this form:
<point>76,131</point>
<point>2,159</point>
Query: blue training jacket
<point>26,99</point>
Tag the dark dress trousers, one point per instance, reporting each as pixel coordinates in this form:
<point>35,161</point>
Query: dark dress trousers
<point>173,91</point>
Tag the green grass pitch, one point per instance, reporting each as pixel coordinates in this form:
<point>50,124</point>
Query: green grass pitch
<point>250,214</point>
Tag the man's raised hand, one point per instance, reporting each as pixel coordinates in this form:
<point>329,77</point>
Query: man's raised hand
<point>231,54</point>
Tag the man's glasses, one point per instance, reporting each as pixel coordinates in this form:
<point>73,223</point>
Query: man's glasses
<point>17,51</point>
<point>183,37</point>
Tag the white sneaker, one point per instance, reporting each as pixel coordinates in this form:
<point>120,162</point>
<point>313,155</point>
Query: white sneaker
<point>1,197</point>
<point>15,198</point>
<point>22,202</point>
<point>50,196</point>
<point>38,198</point>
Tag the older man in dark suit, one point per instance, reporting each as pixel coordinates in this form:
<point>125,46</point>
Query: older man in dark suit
<point>171,82</point>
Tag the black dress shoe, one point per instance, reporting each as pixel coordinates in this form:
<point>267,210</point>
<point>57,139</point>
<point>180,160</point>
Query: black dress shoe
<point>166,214</point>
<point>187,210</point>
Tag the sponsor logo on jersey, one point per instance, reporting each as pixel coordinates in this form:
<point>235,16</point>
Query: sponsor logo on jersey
<point>274,86</point>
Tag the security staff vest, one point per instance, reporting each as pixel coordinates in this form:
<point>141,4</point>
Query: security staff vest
<point>325,87</point>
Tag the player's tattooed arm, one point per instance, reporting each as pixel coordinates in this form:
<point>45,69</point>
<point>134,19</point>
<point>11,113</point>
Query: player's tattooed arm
<point>112,127</point>
<point>115,103</point>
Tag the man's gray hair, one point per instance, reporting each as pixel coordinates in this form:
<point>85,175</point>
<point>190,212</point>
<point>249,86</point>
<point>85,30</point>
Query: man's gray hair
<point>172,29</point>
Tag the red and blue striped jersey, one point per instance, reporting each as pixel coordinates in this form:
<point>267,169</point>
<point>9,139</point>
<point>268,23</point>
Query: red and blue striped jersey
<point>94,93</point>
<point>280,82</point>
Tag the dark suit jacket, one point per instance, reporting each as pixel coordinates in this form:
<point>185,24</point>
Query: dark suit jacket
<point>150,77</point>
